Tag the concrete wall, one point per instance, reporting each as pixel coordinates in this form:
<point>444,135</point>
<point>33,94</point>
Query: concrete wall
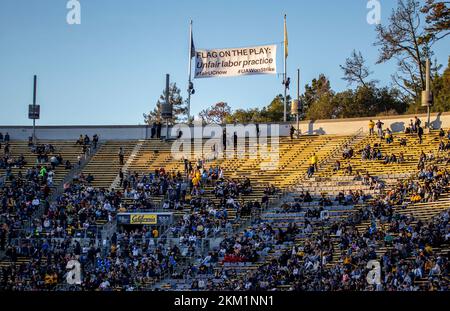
<point>349,126</point>
<point>73,132</point>
<point>110,132</point>
<point>129,132</point>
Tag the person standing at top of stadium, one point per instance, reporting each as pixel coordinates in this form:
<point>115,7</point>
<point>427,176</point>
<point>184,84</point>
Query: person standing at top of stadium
<point>158,129</point>
<point>371,127</point>
<point>411,129</point>
<point>224,138</point>
<point>86,139</point>
<point>380,129</point>
<point>417,123</point>
<point>1,136</point>
<point>80,140</point>
<point>121,155</point>
<point>7,137</point>
<point>153,130</point>
<point>95,141</point>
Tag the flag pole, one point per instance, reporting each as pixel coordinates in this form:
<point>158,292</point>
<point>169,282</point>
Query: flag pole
<point>285,71</point>
<point>190,73</point>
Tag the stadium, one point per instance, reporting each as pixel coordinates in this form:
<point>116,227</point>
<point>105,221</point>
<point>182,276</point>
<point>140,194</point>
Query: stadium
<point>319,191</point>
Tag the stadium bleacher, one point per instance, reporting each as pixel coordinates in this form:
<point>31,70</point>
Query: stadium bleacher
<point>330,224</point>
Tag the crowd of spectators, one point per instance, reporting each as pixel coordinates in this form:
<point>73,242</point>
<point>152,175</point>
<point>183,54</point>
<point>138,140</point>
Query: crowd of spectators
<point>333,254</point>
<point>409,263</point>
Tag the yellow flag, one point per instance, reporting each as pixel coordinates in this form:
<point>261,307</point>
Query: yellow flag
<point>285,38</point>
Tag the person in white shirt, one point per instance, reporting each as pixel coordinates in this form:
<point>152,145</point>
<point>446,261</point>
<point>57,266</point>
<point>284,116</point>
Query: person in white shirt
<point>35,202</point>
<point>107,206</point>
<point>46,223</point>
<point>105,284</point>
<point>50,176</point>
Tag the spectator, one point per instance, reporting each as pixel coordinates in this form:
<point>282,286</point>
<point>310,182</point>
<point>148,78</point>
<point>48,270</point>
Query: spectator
<point>80,140</point>
<point>380,128</point>
<point>95,141</point>
<point>417,123</point>
<point>371,127</point>
<point>389,137</point>
<point>121,155</point>
<point>420,133</point>
<point>314,160</point>
<point>67,165</point>
<point>153,130</point>
<point>337,166</point>
<point>158,129</point>
<point>310,171</point>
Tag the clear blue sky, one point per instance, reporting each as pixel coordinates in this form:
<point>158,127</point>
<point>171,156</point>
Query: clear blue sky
<point>110,69</point>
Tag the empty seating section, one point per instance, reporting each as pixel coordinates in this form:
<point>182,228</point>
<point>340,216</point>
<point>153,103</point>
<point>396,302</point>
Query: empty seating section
<point>104,165</point>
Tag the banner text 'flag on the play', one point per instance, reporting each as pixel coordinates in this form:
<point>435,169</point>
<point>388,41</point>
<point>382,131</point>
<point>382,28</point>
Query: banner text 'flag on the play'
<point>236,61</point>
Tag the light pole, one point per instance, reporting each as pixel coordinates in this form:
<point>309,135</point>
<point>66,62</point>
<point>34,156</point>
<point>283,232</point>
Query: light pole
<point>427,96</point>
<point>298,101</point>
<point>34,110</point>
<point>167,111</point>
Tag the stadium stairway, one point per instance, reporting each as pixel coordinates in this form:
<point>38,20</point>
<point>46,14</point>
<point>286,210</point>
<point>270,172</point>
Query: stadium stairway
<point>105,165</point>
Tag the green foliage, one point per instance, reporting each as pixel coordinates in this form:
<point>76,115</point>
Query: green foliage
<point>323,108</point>
<point>179,106</point>
<point>275,111</point>
<point>437,17</point>
<point>441,91</point>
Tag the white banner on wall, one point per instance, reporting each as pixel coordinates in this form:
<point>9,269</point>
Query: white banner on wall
<point>255,60</point>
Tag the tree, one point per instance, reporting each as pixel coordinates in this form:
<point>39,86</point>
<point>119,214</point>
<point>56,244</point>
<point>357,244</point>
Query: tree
<point>389,101</point>
<point>355,69</point>
<point>323,108</point>
<point>216,113</point>
<point>364,101</point>
<point>437,19</point>
<point>179,106</point>
<point>275,111</point>
<point>314,92</point>
<point>441,91</point>
<point>245,116</point>
<point>401,40</point>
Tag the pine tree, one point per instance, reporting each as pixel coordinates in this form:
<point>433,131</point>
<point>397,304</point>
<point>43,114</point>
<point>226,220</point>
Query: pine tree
<point>178,104</point>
